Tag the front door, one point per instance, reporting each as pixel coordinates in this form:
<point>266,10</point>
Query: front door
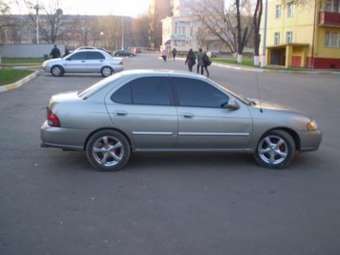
<point>144,108</point>
<point>204,123</point>
<point>76,63</point>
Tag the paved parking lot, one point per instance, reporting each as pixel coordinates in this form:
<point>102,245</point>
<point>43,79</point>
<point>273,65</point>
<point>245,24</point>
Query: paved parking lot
<point>53,202</point>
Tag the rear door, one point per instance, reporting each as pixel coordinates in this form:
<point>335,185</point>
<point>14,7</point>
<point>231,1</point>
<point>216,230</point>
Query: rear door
<point>203,123</point>
<point>94,61</point>
<point>144,108</point>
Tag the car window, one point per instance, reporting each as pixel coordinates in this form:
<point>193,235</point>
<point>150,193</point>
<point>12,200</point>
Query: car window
<point>145,91</point>
<point>123,95</point>
<point>78,56</point>
<point>197,93</point>
<point>94,55</point>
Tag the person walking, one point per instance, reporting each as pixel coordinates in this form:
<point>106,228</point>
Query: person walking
<point>55,52</point>
<point>164,54</point>
<point>174,53</point>
<point>200,62</point>
<point>206,63</point>
<point>190,60</point>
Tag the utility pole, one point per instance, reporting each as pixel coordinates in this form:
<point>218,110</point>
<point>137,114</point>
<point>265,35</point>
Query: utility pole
<point>264,44</point>
<point>36,8</point>
<point>123,32</point>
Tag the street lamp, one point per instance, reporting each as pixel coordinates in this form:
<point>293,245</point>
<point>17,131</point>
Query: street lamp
<point>37,8</point>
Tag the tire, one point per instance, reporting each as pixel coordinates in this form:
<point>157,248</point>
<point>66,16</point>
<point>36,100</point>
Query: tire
<point>57,71</point>
<point>106,71</point>
<point>276,150</point>
<point>108,150</point>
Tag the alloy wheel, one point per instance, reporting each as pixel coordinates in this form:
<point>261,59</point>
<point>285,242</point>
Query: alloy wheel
<point>107,151</point>
<point>273,150</point>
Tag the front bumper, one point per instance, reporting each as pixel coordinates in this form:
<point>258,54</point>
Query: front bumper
<point>310,140</point>
<point>63,138</point>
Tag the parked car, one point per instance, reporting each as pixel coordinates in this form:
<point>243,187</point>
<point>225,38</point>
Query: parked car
<point>124,53</point>
<point>172,111</point>
<point>84,61</point>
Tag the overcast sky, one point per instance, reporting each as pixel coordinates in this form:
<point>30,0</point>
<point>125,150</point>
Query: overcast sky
<point>94,7</point>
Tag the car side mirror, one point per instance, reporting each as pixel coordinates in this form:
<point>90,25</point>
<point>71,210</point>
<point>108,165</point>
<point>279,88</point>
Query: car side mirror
<point>232,105</point>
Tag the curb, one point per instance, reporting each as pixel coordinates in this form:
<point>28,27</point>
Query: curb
<point>260,70</point>
<point>19,83</point>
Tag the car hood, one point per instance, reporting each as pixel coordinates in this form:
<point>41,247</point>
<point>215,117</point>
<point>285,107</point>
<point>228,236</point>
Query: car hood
<point>266,105</point>
<point>51,61</point>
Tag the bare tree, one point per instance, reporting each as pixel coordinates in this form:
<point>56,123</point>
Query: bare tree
<point>231,25</point>
<point>51,19</point>
<point>256,26</point>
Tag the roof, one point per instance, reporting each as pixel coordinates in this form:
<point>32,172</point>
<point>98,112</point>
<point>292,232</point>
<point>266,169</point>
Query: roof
<point>162,72</point>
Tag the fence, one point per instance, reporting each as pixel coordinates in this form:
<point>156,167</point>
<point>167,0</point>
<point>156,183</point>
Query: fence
<point>27,50</point>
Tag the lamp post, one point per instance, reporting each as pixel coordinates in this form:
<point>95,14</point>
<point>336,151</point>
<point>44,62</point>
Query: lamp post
<point>37,8</point>
<point>123,33</point>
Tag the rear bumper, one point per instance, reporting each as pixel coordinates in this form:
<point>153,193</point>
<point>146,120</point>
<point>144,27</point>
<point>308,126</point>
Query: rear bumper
<point>118,68</point>
<point>310,140</point>
<point>62,138</point>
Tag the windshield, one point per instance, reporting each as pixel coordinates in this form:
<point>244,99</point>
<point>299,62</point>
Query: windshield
<point>242,98</point>
<point>99,85</point>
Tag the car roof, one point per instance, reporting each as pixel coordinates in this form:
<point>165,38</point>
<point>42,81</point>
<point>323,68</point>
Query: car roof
<point>162,72</point>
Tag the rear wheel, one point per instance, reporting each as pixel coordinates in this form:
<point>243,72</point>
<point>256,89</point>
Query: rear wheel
<point>57,71</point>
<point>276,149</point>
<point>108,150</point>
<point>106,71</point>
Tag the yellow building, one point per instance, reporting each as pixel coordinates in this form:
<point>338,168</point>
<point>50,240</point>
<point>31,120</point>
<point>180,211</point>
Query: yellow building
<point>303,33</point>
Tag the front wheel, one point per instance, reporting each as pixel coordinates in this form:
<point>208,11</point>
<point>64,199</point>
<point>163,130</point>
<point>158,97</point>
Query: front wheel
<point>276,150</point>
<point>108,150</point>
<point>57,71</point>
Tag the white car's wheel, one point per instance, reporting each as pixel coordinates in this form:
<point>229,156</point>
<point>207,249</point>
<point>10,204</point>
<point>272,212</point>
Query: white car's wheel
<point>106,71</point>
<point>108,150</point>
<point>276,150</point>
<point>57,71</point>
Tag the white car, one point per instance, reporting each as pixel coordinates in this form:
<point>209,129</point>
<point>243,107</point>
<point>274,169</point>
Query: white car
<point>84,61</point>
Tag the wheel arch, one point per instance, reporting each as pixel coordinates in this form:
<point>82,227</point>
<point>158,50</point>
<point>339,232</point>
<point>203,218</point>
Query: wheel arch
<point>111,129</point>
<point>291,132</point>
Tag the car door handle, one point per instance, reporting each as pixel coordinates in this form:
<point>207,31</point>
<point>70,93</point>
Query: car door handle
<point>188,115</point>
<point>83,61</point>
<point>121,113</point>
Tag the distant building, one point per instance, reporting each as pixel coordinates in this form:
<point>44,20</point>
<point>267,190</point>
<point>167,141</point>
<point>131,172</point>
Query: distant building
<point>305,35</point>
<point>184,31</point>
<point>158,10</point>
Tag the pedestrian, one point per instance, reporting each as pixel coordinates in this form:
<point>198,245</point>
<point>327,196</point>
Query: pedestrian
<point>190,60</point>
<point>55,52</point>
<point>67,51</point>
<point>174,53</point>
<point>164,54</point>
<point>206,63</point>
<point>200,61</point>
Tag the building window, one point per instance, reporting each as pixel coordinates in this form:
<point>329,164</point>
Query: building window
<point>276,38</point>
<point>289,37</point>
<point>332,40</point>
<point>332,6</point>
<point>290,9</point>
<point>277,11</point>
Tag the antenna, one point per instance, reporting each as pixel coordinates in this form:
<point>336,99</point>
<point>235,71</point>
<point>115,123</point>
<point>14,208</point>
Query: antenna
<point>259,91</point>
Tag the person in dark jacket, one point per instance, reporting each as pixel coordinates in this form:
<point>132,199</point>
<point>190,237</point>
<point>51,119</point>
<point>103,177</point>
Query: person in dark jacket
<point>55,52</point>
<point>174,53</point>
<point>190,60</point>
<point>67,52</point>
<point>206,63</point>
<point>200,61</point>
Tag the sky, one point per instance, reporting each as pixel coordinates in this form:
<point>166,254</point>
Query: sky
<point>91,7</point>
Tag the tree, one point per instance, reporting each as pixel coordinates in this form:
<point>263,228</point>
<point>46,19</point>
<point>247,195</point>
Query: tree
<point>50,24</point>
<point>232,25</point>
<point>256,26</point>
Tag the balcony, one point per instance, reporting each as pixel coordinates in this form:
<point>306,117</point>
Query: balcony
<point>329,19</point>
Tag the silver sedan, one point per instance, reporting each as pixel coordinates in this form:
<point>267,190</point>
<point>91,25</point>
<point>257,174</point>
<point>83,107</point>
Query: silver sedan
<point>84,61</point>
<point>145,110</point>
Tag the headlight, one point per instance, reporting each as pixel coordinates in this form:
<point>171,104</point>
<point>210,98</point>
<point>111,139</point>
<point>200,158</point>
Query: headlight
<point>312,126</point>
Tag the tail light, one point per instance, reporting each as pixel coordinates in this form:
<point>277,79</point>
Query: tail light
<point>52,119</point>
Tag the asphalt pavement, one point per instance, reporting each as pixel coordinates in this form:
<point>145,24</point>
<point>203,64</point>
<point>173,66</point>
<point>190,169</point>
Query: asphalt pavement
<point>53,202</point>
